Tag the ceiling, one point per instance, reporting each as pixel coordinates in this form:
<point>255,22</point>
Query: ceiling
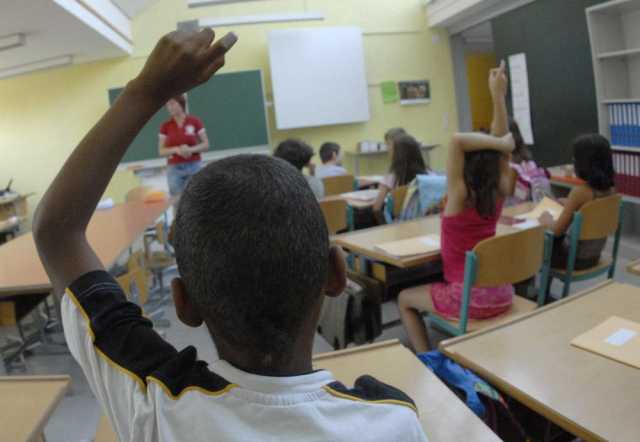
<point>50,32</point>
<point>479,38</point>
<point>132,7</point>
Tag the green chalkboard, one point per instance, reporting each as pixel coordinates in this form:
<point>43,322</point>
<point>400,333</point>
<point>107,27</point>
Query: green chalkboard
<point>553,34</point>
<point>231,107</point>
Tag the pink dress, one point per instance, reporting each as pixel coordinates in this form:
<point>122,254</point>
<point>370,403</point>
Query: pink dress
<point>459,234</point>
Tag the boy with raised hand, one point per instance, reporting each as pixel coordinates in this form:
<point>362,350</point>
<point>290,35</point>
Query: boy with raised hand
<point>254,255</point>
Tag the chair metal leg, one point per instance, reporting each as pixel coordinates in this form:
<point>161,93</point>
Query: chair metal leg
<point>566,288</point>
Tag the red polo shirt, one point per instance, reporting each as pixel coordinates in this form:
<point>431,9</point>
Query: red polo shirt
<point>176,135</point>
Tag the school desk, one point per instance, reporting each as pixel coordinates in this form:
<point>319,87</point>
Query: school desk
<point>364,242</point>
<point>634,268</point>
<point>370,180</point>
<point>530,358</point>
<point>110,232</point>
<point>26,403</point>
<point>356,203</point>
<point>442,415</point>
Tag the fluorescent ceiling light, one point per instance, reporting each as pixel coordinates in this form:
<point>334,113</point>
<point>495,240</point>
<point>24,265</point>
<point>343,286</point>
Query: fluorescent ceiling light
<point>198,3</point>
<point>260,19</point>
<point>36,66</point>
<point>11,41</point>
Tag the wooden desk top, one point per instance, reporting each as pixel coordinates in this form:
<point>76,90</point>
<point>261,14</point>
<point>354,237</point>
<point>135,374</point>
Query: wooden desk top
<point>355,203</point>
<point>26,403</point>
<point>443,416</point>
<point>110,232</point>
<point>363,242</point>
<point>531,359</point>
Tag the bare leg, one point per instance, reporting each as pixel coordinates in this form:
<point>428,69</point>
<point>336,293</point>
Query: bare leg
<point>412,303</point>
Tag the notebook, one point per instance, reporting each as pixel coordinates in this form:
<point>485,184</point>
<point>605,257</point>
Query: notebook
<point>361,195</point>
<point>616,338</point>
<point>420,245</point>
<point>546,205</point>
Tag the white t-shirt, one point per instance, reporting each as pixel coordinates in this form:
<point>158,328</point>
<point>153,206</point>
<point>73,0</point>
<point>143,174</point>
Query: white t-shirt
<point>316,186</point>
<point>151,392</point>
<point>329,170</point>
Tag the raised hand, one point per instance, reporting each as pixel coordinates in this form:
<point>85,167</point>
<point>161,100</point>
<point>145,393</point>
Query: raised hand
<point>498,81</point>
<point>181,61</point>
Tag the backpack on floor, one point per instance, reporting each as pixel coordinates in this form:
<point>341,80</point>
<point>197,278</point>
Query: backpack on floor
<point>477,394</point>
<point>354,316</point>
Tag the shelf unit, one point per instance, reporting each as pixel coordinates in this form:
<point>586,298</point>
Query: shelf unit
<point>614,31</point>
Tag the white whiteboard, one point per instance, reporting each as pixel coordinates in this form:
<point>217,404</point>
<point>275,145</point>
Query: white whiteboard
<point>318,77</point>
<point>520,96</point>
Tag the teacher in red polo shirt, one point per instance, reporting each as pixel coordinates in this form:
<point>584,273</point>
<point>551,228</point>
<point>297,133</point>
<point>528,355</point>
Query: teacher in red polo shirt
<point>182,139</point>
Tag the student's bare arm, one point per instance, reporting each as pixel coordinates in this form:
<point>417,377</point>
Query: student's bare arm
<point>202,146</point>
<point>165,151</point>
<point>179,62</point>
<point>378,204</point>
<point>578,197</point>
<point>469,142</point>
<point>498,83</point>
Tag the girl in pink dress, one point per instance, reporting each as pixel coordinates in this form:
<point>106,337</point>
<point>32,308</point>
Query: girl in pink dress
<point>479,180</point>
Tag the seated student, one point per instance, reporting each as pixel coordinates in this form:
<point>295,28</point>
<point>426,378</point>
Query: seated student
<point>406,163</point>
<point>255,262</point>
<point>330,156</point>
<point>391,135</point>
<point>299,154</point>
<point>593,164</point>
<point>478,181</point>
<point>531,181</point>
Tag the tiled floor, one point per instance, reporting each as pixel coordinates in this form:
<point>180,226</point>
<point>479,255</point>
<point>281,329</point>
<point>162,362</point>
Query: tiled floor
<point>76,418</point>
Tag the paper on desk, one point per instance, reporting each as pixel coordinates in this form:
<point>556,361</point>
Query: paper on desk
<point>105,204</point>
<point>621,337</point>
<point>361,195</point>
<point>616,338</point>
<point>528,224</point>
<point>413,246</point>
<point>546,205</point>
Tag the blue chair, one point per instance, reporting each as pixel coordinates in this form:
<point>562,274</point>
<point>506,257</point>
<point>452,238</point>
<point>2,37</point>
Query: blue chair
<point>506,259</point>
<point>598,219</point>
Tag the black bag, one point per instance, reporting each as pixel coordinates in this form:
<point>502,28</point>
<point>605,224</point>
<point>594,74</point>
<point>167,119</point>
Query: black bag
<point>354,316</point>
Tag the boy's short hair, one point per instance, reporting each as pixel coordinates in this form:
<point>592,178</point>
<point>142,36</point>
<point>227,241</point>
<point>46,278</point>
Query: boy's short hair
<point>327,150</point>
<point>295,152</point>
<point>252,249</point>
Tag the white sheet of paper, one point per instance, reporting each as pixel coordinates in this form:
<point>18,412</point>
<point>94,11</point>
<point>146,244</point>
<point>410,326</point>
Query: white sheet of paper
<point>528,224</point>
<point>621,337</point>
<point>430,241</point>
<point>361,195</point>
<point>520,95</point>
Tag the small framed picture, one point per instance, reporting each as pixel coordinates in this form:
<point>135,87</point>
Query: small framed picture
<point>415,92</point>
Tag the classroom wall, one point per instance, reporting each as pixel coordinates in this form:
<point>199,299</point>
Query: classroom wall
<point>554,36</point>
<point>46,114</point>
<point>478,67</point>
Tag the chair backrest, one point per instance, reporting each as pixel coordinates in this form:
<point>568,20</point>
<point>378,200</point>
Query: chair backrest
<point>509,259</point>
<point>398,196</point>
<point>335,215</point>
<point>336,185</point>
<point>137,194</point>
<point>600,217</point>
<point>136,275</point>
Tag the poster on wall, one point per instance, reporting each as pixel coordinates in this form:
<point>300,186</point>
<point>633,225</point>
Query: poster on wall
<point>520,95</point>
<point>414,92</point>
